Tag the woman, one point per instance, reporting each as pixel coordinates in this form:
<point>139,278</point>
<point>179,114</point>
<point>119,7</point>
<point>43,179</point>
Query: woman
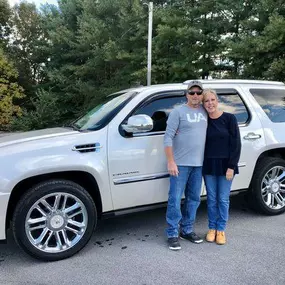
<point>222,154</point>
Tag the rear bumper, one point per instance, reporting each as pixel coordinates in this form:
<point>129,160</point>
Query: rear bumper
<point>4,199</point>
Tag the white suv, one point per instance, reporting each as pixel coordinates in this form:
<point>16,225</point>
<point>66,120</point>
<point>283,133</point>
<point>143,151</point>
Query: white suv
<point>56,183</point>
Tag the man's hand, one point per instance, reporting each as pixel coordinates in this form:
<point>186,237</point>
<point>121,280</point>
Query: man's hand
<point>172,168</point>
<point>230,174</point>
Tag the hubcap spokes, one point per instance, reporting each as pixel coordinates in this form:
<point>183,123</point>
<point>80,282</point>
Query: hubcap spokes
<point>56,222</point>
<point>273,188</point>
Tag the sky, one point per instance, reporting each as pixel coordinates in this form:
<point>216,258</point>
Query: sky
<point>37,2</point>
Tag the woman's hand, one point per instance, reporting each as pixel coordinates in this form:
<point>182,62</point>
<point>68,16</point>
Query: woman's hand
<point>230,174</point>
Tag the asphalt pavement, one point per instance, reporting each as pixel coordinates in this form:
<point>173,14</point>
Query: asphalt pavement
<point>132,250</point>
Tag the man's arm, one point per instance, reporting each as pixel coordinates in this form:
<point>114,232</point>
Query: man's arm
<point>171,165</point>
<point>171,129</point>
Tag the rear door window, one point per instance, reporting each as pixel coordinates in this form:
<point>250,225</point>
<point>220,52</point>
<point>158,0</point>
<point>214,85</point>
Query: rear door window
<point>231,102</point>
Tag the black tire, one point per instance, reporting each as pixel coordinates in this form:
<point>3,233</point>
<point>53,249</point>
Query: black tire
<point>32,196</point>
<point>256,200</point>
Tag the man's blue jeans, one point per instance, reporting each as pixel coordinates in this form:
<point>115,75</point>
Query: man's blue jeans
<point>189,180</point>
<point>218,201</point>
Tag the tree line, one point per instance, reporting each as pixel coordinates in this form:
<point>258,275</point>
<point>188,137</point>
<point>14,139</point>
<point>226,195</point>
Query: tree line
<point>57,62</point>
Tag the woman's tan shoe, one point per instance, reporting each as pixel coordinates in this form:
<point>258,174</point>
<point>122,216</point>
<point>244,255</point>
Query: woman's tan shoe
<point>221,238</point>
<point>211,236</point>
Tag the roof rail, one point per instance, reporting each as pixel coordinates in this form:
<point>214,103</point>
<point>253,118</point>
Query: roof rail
<point>242,81</point>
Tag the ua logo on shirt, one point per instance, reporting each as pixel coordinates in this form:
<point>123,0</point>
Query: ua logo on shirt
<point>196,118</point>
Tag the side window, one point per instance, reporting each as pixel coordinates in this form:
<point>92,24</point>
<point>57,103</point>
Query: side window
<point>232,103</point>
<point>158,109</point>
<point>272,101</point>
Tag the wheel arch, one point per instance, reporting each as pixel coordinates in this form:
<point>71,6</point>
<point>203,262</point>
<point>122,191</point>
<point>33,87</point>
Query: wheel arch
<point>84,179</point>
<point>275,152</point>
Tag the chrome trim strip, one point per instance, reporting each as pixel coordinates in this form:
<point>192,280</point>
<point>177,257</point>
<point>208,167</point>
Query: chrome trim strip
<point>147,177</point>
<point>149,134</point>
<point>140,178</point>
<point>163,132</point>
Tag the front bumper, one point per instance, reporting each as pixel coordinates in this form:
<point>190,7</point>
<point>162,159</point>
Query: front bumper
<point>4,199</point>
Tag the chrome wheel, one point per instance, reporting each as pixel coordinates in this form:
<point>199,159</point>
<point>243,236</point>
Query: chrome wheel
<point>273,188</point>
<point>56,222</point>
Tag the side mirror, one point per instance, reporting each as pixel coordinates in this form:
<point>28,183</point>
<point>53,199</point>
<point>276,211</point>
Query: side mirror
<point>138,124</point>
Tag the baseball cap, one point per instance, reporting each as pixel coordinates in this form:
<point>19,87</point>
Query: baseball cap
<point>195,83</point>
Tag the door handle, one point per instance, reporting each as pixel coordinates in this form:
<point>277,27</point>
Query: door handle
<point>252,136</point>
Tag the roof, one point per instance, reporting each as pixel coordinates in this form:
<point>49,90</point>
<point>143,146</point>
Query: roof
<point>204,81</point>
<point>238,81</point>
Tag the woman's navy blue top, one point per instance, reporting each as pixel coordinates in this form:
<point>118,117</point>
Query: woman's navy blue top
<point>223,145</point>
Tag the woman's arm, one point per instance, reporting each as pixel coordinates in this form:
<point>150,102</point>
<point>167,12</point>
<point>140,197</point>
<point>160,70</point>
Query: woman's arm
<point>235,143</point>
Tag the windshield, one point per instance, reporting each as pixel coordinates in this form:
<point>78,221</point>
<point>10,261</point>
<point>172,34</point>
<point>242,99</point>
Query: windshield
<point>103,113</point>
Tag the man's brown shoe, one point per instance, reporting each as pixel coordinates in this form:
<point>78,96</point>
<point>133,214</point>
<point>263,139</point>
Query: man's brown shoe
<point>211,236</point>
<point>220,238</point>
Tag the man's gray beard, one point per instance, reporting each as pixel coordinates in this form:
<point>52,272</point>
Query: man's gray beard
<point>194,105</point>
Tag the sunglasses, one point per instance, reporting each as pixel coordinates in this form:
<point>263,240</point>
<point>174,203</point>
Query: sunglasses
<point>195,92</point>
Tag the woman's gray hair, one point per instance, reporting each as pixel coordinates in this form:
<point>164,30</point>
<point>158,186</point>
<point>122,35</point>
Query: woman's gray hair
<point>210,91</point>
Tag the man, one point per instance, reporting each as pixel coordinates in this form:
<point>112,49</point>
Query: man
<point>184,143</point>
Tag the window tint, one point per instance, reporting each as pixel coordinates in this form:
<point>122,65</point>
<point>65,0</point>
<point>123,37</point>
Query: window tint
<point>272,101</point>
<point>233,104</point>
<point>159,109</point>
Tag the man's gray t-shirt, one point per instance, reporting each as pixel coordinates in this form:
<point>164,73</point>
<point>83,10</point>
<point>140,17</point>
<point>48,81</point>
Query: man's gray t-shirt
<point>186,133</point>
